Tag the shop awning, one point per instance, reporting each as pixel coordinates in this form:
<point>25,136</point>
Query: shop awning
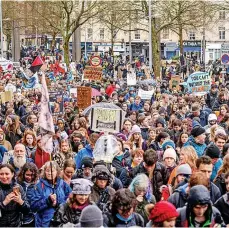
<point>190,49</point>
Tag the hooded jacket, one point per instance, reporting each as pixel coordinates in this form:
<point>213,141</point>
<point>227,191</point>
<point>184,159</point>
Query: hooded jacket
<point>40,204</point>
<point>199,148</point>
<point>222,204</point>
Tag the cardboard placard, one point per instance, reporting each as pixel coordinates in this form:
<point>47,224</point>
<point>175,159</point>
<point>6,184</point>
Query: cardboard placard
<point>174,81</point>
<point>119,72</point>
<point>56,101</point>
<point>105,119</point>
<point>93,73</point>
<point>83,96</point>
<point>6,96</point>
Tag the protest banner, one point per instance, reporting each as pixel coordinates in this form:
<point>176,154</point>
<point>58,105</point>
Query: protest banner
<point>83,96</point>
<point>145,95</point>
<point>174,81</point>
<point>105,119</point>
<point>199,83</point>
<point>56,101</point>
<point>93,73</point>
<point>131,78</point>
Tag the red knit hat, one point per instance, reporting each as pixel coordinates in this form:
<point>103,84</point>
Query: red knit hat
<point>163,211</point>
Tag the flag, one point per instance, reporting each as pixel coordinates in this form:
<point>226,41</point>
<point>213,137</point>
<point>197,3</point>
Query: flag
<point>45,119</point>
<point>29,83</point>
<point>36,65</point>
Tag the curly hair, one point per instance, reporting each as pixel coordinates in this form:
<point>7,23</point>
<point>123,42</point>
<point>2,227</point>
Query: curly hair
<point>28,167</point>
<point>124,200</point>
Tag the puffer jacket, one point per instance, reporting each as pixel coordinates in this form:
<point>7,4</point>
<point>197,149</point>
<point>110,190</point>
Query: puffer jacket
<point>10,214</point>
<point>40,203</point>
<point>222,204</point>
<point>85,152</point>
<point>136,220</point>
<point>66,214</point>
<point>160,177</point>
<point>220,183</point>
<point>199,148</point>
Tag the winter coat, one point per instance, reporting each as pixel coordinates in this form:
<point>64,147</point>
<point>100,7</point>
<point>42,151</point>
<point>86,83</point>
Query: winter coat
<point>134,107</point>
<point>211,99</point>
<point>30,151</point>
<point>203,117</point>
<point>102,197</point>
<point>10,214</point>
<point>160,177</point>
<point>13,138</point>
<point>28,217</point>
<point>222,204</point>
<point>179,196</point>
<point>199,148</point>
<point>119,164</point>
<point>113,221</point>
<point>216,167</point>
<point>2,152</point>
<point>65,214</point>
<point>40,202</point>
<point>184,221</point>
<point>85,152</point>
<point>220,183</point>
<point>40,157</point>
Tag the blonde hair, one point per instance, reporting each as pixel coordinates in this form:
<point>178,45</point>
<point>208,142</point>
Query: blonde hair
<point>190,156</point>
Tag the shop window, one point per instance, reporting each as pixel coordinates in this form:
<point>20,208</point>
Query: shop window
<point>192,35</point>
<point>165,33</point>
<point>101,33</point>
<point>211,56</point>
<point>89,33</point>
<point>222,15</point>
<point>137,35</point>
<point>222,33</point>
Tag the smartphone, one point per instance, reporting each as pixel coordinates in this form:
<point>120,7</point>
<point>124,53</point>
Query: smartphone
<point>16,190</point>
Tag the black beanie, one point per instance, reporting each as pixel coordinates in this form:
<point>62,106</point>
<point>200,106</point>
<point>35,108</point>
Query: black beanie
<point>212,151</point>
<point>196,131</point>
<point>87,162</point>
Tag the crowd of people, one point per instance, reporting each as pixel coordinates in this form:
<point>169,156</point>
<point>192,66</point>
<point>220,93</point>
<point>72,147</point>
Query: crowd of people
<point>171,169</point>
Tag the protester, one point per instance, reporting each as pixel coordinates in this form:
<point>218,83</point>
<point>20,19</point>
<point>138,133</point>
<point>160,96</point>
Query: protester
<point>70,211</point>
<point>13,198</point>
<point>48,194</point>
<point>122,211</point>
<point>199,212</point>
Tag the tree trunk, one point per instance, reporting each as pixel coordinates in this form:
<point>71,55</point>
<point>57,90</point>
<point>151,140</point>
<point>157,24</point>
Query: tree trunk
<point>112,42</point>
<point>66,49</point>
<point>53,39</point>
<point>181,40</point>
<point>155,51</point>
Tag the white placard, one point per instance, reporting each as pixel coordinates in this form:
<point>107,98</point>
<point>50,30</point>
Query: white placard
<point>145,95</point>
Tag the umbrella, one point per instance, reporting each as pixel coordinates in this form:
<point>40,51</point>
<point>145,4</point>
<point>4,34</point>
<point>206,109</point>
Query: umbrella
<point>87,111</point>
<point>95,92</point>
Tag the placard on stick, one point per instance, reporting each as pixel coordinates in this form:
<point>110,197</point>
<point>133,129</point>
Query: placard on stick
<point>93,73</point>
<point>105,119</point>
<point>83,96</point>
<point>174,81</point>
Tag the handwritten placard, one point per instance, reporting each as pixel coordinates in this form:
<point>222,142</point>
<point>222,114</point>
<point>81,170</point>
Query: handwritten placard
<point>83,96</point>
<point>104,119</point>
<point>56,102</point>
<point>93,73</point>
<point>174,81</point>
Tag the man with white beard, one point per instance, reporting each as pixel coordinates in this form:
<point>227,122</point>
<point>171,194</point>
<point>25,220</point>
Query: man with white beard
<point>19,157</point>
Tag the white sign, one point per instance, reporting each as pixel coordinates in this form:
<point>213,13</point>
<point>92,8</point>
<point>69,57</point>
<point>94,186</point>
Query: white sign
<point>131,78</point>
<point>225,46</point>
<point>105,119</point>
<point>145,95</point>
